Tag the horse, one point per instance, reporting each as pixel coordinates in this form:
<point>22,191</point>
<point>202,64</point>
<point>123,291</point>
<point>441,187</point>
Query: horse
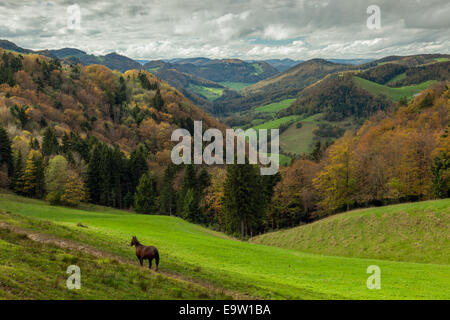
<point>145,252</point>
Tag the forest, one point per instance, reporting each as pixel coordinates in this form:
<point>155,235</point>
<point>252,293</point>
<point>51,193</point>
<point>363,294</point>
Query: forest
<point>72,134</point>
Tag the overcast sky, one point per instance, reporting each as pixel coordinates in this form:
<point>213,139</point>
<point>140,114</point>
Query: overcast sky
<point>255,29</point>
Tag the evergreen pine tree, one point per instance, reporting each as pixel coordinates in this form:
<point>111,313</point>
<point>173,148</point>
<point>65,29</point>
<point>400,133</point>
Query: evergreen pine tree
<point>243,203</point>
<point>94,174</point>
<point>50,143</point>
<point>138,166</point>
<point>189,182</point>
<point>168,194</point>
<point>16,179</point>
<point>5,151</point>
<point>191,211</point>
<point>146,194</point>
<point>157,101</point>
<point>33,177</point>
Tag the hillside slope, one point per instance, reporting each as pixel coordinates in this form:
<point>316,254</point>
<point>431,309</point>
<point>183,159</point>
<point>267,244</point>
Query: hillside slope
<point>209,257</point>
<point>285,85</point>
<point>415,232</point>
<point>122,109</point>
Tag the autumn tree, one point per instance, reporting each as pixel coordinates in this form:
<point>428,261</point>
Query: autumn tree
<point>56,174</point>
<point>21,114</point>
<point>33,176</point>
<point>73,190</point>
<point>441,176</point>
<point>336,182</point>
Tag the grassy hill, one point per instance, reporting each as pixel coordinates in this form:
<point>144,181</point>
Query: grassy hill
<point>198,255</point>
<point>414,232</point>
<point>35,270</point>
<point>275,107</point>
<point>393,93</point>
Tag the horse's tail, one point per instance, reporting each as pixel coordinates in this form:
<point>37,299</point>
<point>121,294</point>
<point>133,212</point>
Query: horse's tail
<point>156,257</point>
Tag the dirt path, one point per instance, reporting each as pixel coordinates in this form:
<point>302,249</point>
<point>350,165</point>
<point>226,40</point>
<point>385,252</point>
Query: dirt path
<point>69,244</point>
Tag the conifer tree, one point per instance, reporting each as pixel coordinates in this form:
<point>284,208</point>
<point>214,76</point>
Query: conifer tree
<point>138,166</point>
<point>157,101</point>
<point>94,174</point>
<point>243,203</point>
<point>168,194</point>
<point>191,211</point>
<point>50,143</point>
<point>146,194</point>
<point>16,179</point>
<point>189,182</point>
<point>5,151</point>
<point>33,176</point>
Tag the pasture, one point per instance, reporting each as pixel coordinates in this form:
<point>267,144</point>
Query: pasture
<point>204,256</point>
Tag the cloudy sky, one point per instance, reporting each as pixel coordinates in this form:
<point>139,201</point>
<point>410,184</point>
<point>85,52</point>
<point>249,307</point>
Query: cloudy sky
<point>255,29</point>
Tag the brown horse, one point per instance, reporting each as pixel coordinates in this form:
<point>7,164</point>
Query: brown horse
<point>145,252</point>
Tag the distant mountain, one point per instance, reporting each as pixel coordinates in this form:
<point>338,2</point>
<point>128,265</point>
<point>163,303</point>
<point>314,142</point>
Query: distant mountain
<point>282,86</point>
<point>8,45</point>
<point>223,70</point>
<point>142,62</point>
<point>351,61</point>
<point>283,64</point>
<point>194,88</point>
<point>68,52</point>
<point>113,61</point>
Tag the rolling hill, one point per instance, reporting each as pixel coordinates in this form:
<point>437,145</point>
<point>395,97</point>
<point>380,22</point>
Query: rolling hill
<point>118,109</point>
<point>280,87</point>
<point>199,256</point>
<point>231,70</point>
<point>414,232</point>
<point>113,61</point>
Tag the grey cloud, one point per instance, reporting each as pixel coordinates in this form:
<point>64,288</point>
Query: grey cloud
<point>227,28</point>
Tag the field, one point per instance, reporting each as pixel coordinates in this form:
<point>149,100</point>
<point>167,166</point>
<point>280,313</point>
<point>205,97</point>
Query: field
<point>298,140</point>
<point>274,107</point>
<point>199,256</point>
<point>237,86</point>
<point>393,93</point>
<point>207,92</point>
<point>413,232</point>
<point>275,124</point>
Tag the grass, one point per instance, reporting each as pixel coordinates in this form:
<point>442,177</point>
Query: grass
<point>33,270</point>
<point>283,159</point>
<point>258,69</point>
<point>412,232</point>
<point>204,255</point>
<point>298,140</point>
<point>209,93</point>
<point>442,59</point>
<point>274,107</point>
<point>393,93</point>
<point>275,124</point>
<point>398,77</point>
<point>237,86</point>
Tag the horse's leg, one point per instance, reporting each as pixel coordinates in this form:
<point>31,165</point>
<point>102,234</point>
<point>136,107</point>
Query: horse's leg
<point>150,262</point>
<point>141,261</point>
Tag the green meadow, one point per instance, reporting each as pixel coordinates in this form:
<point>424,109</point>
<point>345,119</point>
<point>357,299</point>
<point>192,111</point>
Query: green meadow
<point>200,255</point>
<point>209,93</point>
<point>275,107</point>
<point>393,93</point>
<point>237,86</point>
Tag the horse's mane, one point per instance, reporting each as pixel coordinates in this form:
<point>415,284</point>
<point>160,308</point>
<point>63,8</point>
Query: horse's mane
<point>137,242</point>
